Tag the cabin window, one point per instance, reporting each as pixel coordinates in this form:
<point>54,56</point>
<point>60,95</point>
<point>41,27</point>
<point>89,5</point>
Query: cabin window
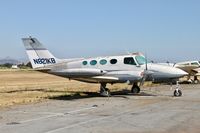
<point>103,62</point>
<point>93,62</point>
<point>113,61</point>
<point>186,64</point>
<point>129,61</point>
<point>84,63</point>
<point>194,63</point>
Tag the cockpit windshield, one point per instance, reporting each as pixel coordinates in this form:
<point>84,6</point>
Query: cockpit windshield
<point>140,60</point>
<point>195,63</point>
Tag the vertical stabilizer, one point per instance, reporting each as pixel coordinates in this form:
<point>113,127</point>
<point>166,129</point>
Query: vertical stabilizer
<point>38,55</point>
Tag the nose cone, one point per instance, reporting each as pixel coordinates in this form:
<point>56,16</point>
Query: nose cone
<point>175,72</point>
<point>163,71</point>
<point>179,73</point>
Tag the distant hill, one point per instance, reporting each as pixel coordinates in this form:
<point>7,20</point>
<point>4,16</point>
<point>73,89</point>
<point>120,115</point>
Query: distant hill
<point>9,60</point>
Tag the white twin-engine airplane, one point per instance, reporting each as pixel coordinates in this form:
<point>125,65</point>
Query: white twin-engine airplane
<point>131,68</point>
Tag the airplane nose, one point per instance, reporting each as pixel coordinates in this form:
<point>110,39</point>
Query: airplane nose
<point>162,71</point>
<point>179,73</point>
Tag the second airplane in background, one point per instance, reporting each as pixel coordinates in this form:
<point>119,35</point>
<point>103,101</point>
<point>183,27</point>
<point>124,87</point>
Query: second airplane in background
<point>131,68</point>
<point>191,67</point>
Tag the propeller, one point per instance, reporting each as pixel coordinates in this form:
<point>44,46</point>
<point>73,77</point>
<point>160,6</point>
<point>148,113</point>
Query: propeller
<point>146,72</point>
<point>146,67</point>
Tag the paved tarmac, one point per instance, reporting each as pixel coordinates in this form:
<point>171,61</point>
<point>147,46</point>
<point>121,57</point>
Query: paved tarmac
<point>155,110</point>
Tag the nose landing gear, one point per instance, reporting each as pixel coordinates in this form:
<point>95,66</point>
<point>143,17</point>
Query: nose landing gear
<point>177,91</point>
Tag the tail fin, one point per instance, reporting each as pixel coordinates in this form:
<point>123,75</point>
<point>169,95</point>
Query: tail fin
<point>38,55</point>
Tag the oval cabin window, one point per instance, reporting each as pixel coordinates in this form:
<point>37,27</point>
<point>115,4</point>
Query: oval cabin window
<point>93,62</point>
<point>113,61</point>
<point>103,62</point>
<point>84,63</point>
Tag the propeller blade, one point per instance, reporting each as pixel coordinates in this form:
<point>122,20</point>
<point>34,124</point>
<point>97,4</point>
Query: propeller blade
<point>142,81</point>
<point>144,72</point>
<point>146,67</point>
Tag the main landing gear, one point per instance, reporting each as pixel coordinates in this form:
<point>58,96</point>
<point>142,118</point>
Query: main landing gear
<point>177,91</point>
<point>104,91</point>
<point>135,89</point>
<point>196,81</point>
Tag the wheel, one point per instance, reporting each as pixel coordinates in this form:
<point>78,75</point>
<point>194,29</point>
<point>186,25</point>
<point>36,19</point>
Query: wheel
<point>105,93</point>
<point>135,90</point>
<point>177,93</point>
<point>196,81</point>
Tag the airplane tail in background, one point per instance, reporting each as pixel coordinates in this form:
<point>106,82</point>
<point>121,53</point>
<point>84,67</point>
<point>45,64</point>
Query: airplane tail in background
<point>38,55</point>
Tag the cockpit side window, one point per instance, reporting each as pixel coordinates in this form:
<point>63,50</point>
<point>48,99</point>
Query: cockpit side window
<point>129,61</point>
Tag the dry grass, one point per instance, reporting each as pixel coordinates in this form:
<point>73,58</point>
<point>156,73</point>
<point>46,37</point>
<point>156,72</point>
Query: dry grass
<point>27,86</point>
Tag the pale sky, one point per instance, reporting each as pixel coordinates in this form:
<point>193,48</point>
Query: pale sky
<point>163,29</point>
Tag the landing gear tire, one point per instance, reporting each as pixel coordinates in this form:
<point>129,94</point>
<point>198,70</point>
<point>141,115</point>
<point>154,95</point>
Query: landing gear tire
<point>135,89</point>
<point>196,81</point>
<point>104,91</point>
<point>177,93</point>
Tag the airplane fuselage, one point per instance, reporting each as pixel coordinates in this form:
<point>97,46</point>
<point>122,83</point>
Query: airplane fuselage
<point>126,68</point>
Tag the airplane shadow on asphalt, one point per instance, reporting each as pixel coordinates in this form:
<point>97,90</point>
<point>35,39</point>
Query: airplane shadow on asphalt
<point>83,95</point>
<point>73,95</point>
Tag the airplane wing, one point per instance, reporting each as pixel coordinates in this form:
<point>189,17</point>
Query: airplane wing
<point>105,78</point>
<point>112,77</point>
<point>98,79</point>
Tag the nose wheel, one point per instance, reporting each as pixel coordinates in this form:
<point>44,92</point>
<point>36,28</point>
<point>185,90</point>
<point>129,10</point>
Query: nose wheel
<point>177,91</point>
<point>135,89</point>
